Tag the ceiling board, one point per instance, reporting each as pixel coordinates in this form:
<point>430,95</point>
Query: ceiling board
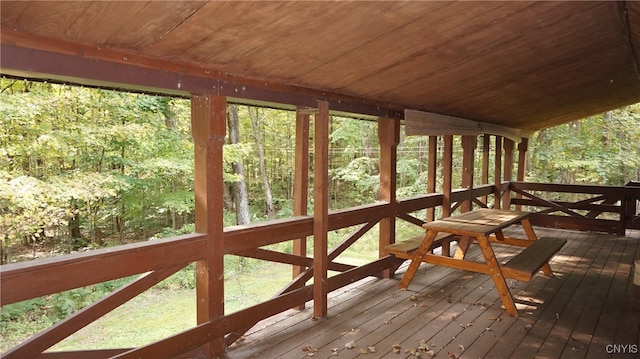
<point>527,64</point>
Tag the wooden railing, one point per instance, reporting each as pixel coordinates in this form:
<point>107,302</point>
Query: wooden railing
<point>577,207</point>
<point>599,208</point>
<point>158,259</point>
<point>632,208</point>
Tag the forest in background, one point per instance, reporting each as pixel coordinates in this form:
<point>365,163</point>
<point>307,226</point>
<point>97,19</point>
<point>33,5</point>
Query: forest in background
<point>86,168</point>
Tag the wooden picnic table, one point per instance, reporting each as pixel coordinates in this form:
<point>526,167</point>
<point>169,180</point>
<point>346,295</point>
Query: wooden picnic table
<point>485,226</point>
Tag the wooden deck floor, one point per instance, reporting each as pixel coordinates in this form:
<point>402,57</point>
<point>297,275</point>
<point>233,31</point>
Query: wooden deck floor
<point>590,305</point>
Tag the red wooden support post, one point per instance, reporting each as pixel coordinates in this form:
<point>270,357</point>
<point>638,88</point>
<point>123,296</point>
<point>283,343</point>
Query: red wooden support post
<point>523,146</point>
<point>486,138</point>
<point>321,210</point>
<point>208,121</point>
<point>508,170</point>
<point>431,168</point>
<point>301,184</point>
<point>447,169</point>
<point>388,137</point>
<point>497,175</point>
<point>469,144</point>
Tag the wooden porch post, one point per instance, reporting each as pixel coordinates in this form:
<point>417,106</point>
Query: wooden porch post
<point>508,170</point>
<point>301,184</point>
<point>208,123</point>
<point>431,168</point>
<point>447,169</point>
<point>497,173</point>
<point>469,144</point>
<point>523,146</point>
<point>321,210</point>
<point>486,138</point>
<point>388,137</point>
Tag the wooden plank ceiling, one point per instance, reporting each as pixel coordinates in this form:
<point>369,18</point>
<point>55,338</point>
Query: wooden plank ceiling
<point>526,65</point>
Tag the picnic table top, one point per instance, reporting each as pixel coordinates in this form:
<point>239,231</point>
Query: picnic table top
<point>483,222</point>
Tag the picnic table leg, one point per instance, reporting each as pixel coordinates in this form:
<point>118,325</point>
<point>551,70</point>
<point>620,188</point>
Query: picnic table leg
<point>463,246</point>
<point>498,277</point>
<point>528,229</point>
<point>417,258</point>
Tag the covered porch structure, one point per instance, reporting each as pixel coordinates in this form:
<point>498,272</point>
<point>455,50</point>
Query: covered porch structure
<point>490,72</point>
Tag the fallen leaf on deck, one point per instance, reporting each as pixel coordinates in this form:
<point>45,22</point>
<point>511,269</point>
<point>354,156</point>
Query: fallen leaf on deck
<point>396,348</point>
<point>310,349</point>
<point>350,345</point>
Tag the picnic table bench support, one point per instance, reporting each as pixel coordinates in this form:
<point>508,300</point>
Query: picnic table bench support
<point>417,259</point>
<point>497,276</point>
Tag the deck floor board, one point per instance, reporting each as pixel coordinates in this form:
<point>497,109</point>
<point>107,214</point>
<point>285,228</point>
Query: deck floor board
<point>589,304</point>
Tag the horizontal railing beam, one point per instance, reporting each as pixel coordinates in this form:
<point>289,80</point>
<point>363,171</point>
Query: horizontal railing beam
<point>245,237</point>
<point>417,203</point>
<point>568,188</point>
<point>35,278</point>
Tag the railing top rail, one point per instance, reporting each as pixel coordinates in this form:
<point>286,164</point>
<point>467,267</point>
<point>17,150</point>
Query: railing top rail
<point>569,188</point>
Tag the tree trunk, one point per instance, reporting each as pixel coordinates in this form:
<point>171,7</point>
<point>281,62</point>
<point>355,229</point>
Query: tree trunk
<point>228,198</point>
<point>74,222</point>
<point>240,196</point>
<point>4,251</point>
<point>255,125</point>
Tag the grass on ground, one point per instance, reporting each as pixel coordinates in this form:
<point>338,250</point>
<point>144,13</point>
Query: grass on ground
<point>159,313</point>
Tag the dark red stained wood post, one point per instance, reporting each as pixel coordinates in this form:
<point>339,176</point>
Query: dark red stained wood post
<point>447,169</point>
<point>431,168</point>
<point>321,210</point>
<point>388,137</point>
<point>508,170</point>
<point>486,138</point>
<point>208,123</point>
<point>469,144</point>
<point>523,147</point>
<point>301,184</point>
<point>498,173</point>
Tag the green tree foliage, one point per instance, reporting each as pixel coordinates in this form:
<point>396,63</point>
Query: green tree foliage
<point>353,162</point>
<point>79,165</point>
<point>601,149</point>
<point>101,161</point>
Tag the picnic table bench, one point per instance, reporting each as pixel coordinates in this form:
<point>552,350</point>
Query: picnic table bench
<point>484,226</point>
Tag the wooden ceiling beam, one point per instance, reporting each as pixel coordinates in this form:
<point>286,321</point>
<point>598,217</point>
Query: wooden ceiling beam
<point>27,56</point>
